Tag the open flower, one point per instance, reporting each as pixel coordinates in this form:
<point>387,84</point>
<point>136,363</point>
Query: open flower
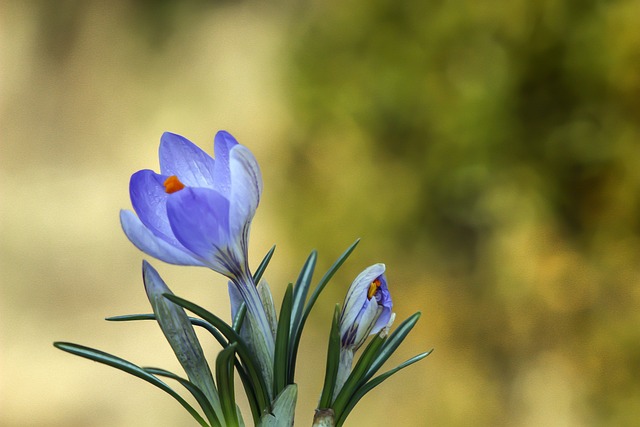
<point>197,210</point>
<point>367,307</point>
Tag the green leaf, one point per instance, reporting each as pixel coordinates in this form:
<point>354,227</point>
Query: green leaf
<point>263,265</point>
<point>130,368</point>
<point>301,289</point>
<point>262,393</point>
<point>269,307</point>
<point>224,378</point>
<point>295,340</point>
<point>194,321</point>
<point>355,378</point>
<point>374,383</point>
<point>193,389</point>
<point>178,330</point>
<point>244,376</point>
<point>283,411</point>
<point>300,292</point>
<point>333,361</point>
<point>281,355</point>
<point>392,343</point>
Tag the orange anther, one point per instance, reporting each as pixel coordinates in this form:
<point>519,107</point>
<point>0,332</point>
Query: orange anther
<point>172,184</point>
<point>373,287</point>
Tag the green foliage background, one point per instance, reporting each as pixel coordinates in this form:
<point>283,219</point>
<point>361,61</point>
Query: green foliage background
<point>494,147</point>
<point>486,151</point>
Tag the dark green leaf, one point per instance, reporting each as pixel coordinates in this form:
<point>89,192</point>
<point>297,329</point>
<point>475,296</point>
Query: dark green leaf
<point>374,383</point>
<point>357,374</point>
<point>394,340</point>
<point>193,389</point>
<point>295,341</point>
<point>333,361</point>
<point>248,361</point>
<point>194,321</point>
<point>130,368</point>
<point>282,341</point>
<point>224,378</point>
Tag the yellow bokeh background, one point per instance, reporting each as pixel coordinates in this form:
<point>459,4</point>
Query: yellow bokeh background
<point>486,152</point>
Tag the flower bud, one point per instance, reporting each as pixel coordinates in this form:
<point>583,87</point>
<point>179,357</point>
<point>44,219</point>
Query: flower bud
<point>367,307</point>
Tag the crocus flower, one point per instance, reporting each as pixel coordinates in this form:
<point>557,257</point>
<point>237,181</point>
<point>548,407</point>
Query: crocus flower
<point>197,211</point>
<point>366,311</point>
<point>367,307</point>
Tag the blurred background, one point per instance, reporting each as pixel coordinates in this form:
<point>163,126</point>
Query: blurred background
<point>487,152</point>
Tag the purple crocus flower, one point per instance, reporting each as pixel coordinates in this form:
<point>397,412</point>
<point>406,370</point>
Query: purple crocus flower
<point>367,307</point>
<point>197,211</point>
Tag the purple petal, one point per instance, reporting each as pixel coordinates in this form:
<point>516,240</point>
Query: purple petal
<point>223,143</point>
<point>149,243</point>
<point>383,299</point>
<point>180,157</point>
<point>246,189</point>
<point>199,218</point>
<point>357,295</point>
<point>369,312</point>
<point>149,200</point>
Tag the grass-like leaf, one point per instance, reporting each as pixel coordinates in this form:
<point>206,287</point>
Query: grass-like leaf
<point>242,372</point>
<point>193,389</point>
<point>333,361</point>
<point>301,289</point>
<point>374,383</point>
<point>263,265</point>
<point>130,368</point>
<point>248,361</point>
<point>297,334</point>
<point>194,321</point>
<point>224,378</point>
<point>281,356</point>
<point>394,340</point>
<point>355,379</point>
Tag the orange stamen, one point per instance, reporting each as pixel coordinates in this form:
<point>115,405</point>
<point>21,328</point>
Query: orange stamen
<point>172,184</point>
<point>373,287</point>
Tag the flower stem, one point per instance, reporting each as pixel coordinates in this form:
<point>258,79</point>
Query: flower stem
<point>324,418</point>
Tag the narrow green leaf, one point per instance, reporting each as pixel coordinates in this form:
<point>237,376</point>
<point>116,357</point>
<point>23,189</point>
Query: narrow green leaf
<point>374,383</point>
<point>238,320</point>
<point>224,378</point>
<point>300,292</point>
<point>263,265</point>
<point>283,411</point>
<point>194,321</point>
<point>130,368</point>
<point>359,371</point>
<point>179,332</point>
<point>244,376</point>
<point>333,360</point>
<point>193,389</point>
<point>392,343</point>
<point>301,289</point>
<point>248,361</point>
<point>282,341</point>
<point>295,340</point>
